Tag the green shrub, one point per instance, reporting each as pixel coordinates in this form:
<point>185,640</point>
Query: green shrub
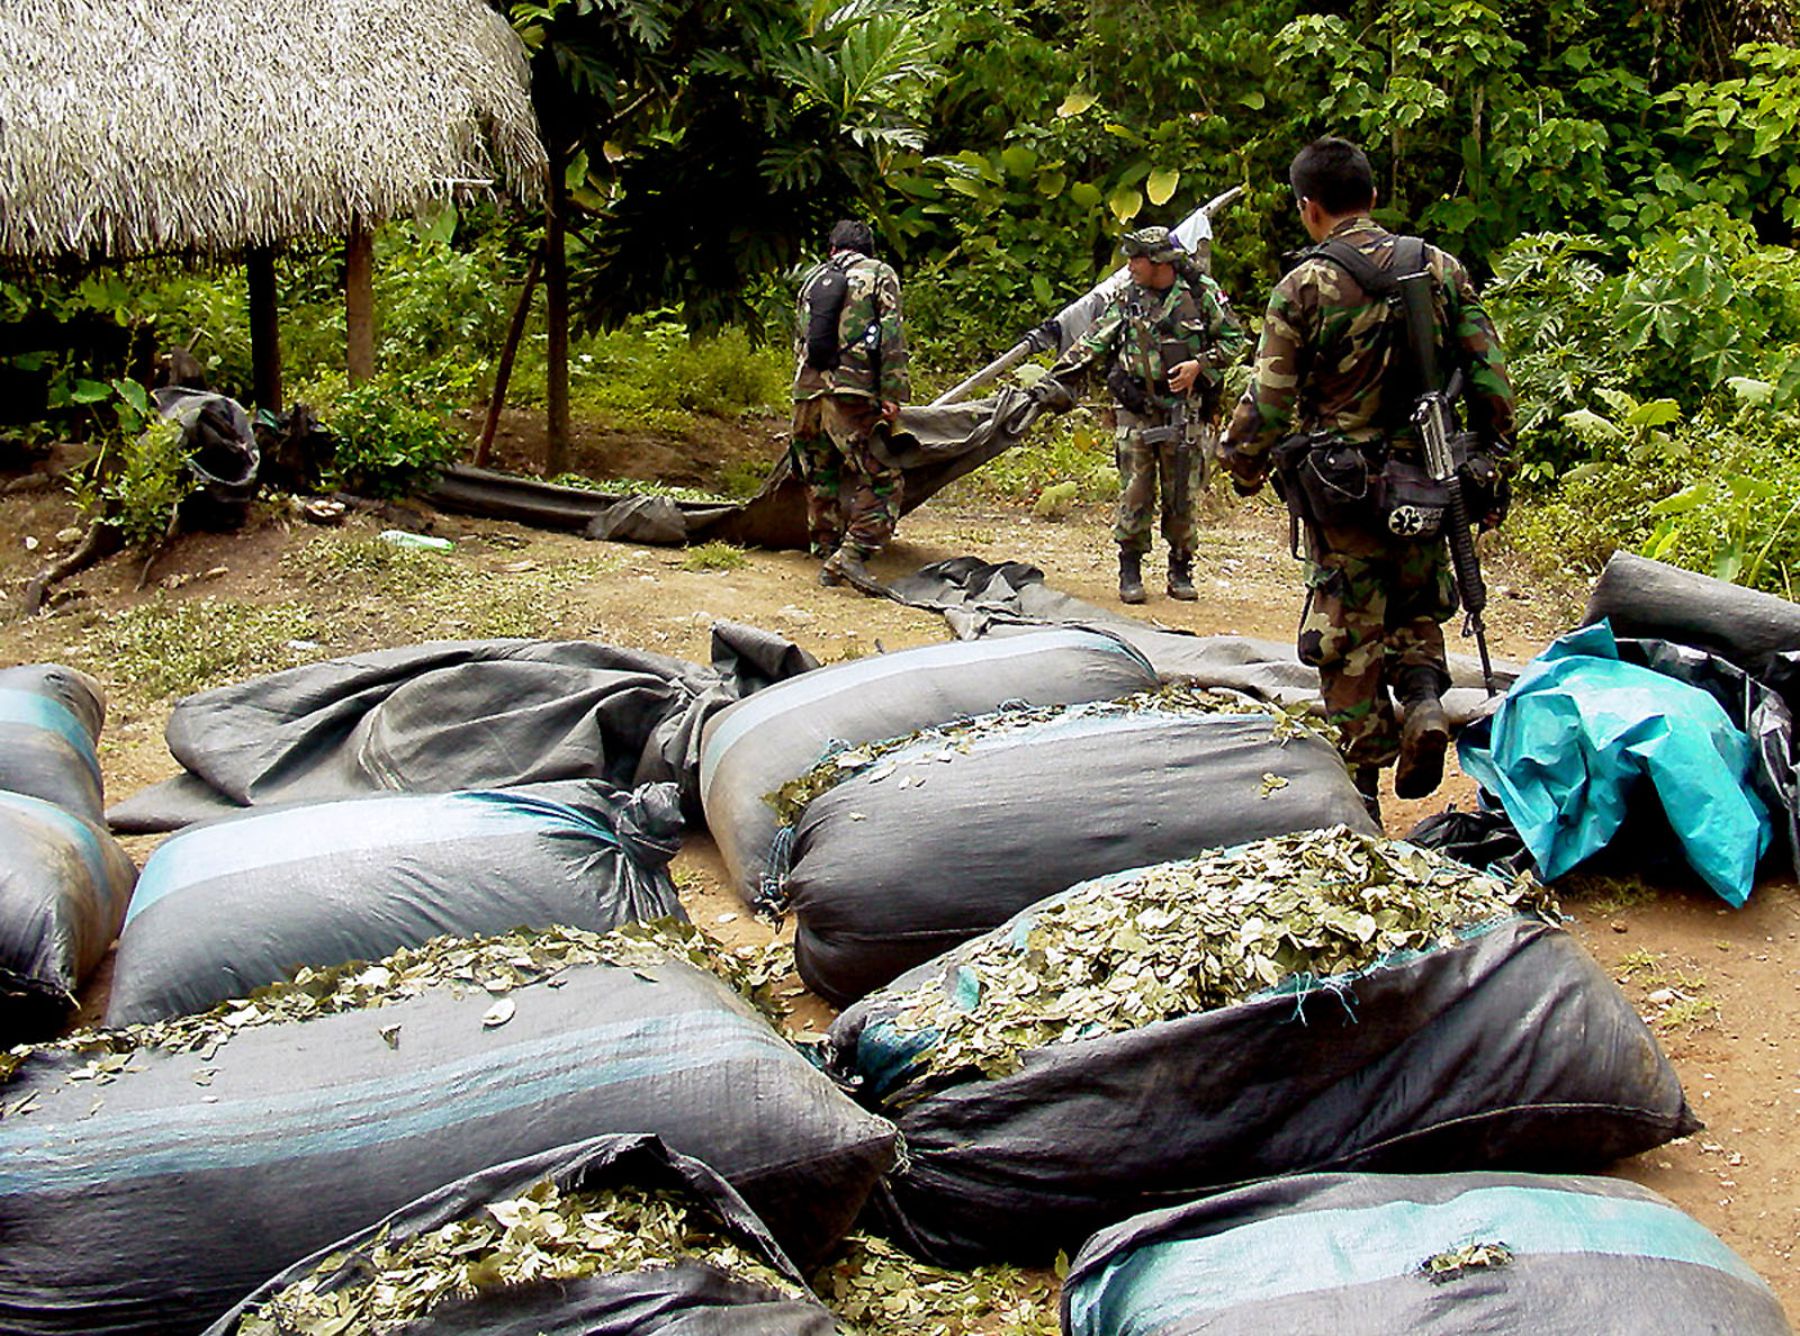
<point>395,433</point>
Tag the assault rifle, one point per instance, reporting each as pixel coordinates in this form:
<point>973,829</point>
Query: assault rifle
<point>1434,419</point>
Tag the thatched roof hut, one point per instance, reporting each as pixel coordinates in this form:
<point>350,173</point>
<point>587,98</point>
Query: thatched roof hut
<point>212,128</point>
<point>143,127</point>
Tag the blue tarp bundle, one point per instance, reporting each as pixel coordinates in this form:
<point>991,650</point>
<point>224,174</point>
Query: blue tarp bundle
<point>1578,730</point>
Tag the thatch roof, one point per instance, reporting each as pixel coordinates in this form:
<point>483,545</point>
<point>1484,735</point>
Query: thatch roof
<point>141,127</point>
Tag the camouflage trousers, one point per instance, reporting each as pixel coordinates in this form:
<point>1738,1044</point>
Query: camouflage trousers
<point>1143,471</point>
<point>1375,607</point>
<point>852,492</point>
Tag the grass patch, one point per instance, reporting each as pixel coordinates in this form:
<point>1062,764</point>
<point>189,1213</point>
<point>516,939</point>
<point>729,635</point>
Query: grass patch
<point>166,647</point>
<point>1605,895</point>
<point>1678,999</point>
<point>370,563</point>
<point>714,556</point>
<point>432,595</point>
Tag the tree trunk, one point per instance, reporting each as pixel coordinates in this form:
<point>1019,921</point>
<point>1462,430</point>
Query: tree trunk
<point>265,328</point>
<point>359,302</point>
<point>556,316</point>
<point>503,371</point>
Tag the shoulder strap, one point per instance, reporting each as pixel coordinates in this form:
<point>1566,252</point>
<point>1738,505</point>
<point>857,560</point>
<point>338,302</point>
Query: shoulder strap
<point>1409,258</point>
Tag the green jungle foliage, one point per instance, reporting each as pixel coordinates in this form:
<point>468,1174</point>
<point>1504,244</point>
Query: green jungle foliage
<point>1625,179</point>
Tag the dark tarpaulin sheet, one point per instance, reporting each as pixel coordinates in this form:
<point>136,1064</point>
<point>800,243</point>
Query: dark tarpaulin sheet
<point>933,445</point>
<point>1345,1253</point>
<point>454,715</point>
<point>1645,599</point>
<point>690,1298</point>
<point>979,598</point>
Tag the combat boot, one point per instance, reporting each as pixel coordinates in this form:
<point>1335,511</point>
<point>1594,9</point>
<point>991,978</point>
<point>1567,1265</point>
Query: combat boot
<point>1181,577</point>
<point>1131,576</point>
<point>1367,779</point>
<point>1424,735</point>
<point>845,566</point>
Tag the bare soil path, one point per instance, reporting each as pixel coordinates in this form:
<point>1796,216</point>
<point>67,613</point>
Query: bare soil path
<point>1722,987</point>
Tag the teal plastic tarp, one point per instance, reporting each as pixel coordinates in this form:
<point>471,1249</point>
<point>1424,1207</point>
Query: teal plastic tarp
<point>1579,731</point>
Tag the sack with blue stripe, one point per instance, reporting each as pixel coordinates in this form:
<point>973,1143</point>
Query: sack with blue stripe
<point>50,719</point>
<point>148,1189</point>
<point>583,1296</point>
<point>1451,1254</point>
<point>755,746</point>
<point>917,849</point>
<point>233,904</point>
<point>64,885</point>
<point>1277,1008</point>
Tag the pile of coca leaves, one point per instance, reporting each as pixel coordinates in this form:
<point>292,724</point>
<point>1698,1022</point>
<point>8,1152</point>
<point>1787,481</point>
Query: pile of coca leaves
<point>877,1290</point>
<point>492,965</point>
<point>1178,939</point>
<point>876,761</point>
<point>542,1235</point>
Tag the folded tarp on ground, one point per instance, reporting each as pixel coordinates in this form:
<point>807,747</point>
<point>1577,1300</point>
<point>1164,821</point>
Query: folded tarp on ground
<point>691,1298</point>
<point>1365,1255</point>
<point>934,445</point>
<point>50,719</point>
<point>454,715</point>
<point>226,907</point>
<point>151,1202</point>
<point>979,598</point>
<point>1581,727</point>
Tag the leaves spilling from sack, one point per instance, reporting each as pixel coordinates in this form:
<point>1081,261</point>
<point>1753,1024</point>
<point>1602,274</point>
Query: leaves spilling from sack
<point>543,1235</point>
<point>913,754</point>
<point>493,965</point>
<point>1183,938</point>
<point>880,1291</point>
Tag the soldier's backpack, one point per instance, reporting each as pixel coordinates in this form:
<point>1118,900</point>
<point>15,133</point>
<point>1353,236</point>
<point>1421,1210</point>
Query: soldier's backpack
<point>824,303</point>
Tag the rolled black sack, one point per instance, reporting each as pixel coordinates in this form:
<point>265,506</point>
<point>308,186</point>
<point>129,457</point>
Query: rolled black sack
<point>148,1189</point>
<point>50,719</point>
<point>1060,1074</point>
<point>1450,1254</point>
<point>230,905</point>
<point>929,845</point>
<point>691,1297</point>
<point>64,885</point>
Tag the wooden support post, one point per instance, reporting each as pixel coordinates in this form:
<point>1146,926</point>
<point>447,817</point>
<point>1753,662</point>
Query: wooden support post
<point>556,316</point>
<point>503,370</point>
<point>265,328</point>
<point>359,302</point>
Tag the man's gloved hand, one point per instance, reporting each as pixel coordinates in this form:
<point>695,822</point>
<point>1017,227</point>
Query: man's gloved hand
<point>1052,394</point>
<point>1485,489</point>
<point>1047,337</point>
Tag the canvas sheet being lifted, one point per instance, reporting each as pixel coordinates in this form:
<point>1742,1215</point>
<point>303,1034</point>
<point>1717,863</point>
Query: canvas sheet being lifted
<point>454,715</point>
<point>933,446</point>
<point>979,598</point>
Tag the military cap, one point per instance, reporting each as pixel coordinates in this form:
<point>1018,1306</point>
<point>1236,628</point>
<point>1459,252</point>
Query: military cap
<point>1157,244</point>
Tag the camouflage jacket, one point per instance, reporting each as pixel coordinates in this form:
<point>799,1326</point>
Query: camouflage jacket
<point>872,362</point>
<point>1326,346</point>
<point>1138,321</point>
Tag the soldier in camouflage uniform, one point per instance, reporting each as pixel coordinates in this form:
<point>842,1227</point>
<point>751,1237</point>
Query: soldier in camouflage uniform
<point>1163,340</point>
<point>849,382</point>
<point>1329,364</point>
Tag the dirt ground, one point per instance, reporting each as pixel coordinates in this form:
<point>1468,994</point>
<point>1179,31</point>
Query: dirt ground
<point>1721,986</point>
